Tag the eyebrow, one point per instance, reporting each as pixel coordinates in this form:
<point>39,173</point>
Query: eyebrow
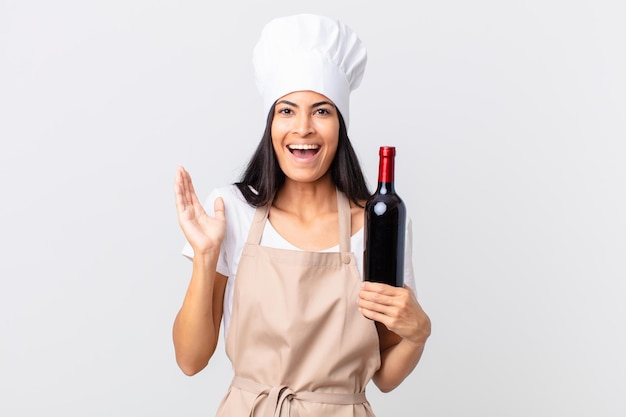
<point>314,105</point>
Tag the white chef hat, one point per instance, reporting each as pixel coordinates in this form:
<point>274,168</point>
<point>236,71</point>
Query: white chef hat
<point>308,52</point>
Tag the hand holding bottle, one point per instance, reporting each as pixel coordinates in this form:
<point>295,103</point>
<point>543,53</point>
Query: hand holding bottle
<point>203,232</point>
<point>397,308</point>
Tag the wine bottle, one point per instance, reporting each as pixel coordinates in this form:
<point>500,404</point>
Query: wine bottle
<point>385,224</point>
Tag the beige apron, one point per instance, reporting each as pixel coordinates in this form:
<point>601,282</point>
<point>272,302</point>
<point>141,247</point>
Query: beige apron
<point>298,344</point>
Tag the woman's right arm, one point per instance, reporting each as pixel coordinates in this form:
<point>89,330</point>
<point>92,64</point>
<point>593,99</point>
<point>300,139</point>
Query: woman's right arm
<point>197,324</point>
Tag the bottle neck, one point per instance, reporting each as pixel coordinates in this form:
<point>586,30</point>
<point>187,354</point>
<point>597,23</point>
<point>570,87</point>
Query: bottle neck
<point>386,174</point>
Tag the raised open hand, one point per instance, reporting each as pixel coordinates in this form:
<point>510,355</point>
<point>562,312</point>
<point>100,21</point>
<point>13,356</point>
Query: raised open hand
<point>203,232</point>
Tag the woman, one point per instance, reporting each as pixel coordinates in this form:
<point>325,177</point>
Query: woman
<point>274,257</point>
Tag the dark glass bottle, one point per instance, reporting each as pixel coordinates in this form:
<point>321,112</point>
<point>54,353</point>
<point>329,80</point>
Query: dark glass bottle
<point>385,225</point>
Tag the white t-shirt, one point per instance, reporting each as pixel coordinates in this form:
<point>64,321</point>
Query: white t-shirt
<point>239,216</point>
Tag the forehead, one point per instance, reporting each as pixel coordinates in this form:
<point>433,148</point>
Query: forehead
<point>305,96</point>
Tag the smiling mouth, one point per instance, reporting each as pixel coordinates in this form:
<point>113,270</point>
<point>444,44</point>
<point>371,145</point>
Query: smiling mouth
<point>304,150</point>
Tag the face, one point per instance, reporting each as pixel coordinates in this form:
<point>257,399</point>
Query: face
<point>305,134</point>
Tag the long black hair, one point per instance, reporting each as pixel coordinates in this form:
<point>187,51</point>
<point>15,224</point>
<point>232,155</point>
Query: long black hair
<point>264,176</point>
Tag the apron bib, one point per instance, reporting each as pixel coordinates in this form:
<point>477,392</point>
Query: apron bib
<point>298,344</point>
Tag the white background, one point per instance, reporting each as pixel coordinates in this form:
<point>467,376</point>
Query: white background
<point>509,119</point>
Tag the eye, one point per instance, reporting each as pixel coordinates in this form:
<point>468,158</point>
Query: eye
<point>322,111</point>
<point>283,110</point>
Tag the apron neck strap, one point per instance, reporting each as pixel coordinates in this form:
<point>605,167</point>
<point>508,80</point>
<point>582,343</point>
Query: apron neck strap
<point>345,222</point>
<point>258,224</point>
<point>344,214</point>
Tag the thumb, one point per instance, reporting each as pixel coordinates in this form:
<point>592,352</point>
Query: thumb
<point>218,207</point>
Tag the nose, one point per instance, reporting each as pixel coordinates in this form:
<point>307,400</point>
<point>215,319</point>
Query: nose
<point>303,124</point>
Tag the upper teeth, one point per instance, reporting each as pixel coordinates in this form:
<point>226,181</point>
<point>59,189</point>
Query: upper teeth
<point>303,146</point>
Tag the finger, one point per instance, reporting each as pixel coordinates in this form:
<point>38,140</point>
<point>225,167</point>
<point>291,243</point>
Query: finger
<point>192,195</point>
<point>380,288</point>
<point>375,307</point>
<point>374,315</point>
<point>388,296</point>
<point>187,187</point>
<point>179,190</point>
<point>218,207</point>
<point>374,297</point>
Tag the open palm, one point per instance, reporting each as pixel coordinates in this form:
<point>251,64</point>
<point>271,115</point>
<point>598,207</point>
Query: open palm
<point>203,232</point>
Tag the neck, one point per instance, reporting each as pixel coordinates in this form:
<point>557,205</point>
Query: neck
<point>307,199</point>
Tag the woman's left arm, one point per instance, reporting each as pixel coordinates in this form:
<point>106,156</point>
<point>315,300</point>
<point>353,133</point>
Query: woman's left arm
<point>403,328</point>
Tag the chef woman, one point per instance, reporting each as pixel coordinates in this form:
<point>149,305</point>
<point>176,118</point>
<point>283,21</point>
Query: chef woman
<point>277,256</point>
